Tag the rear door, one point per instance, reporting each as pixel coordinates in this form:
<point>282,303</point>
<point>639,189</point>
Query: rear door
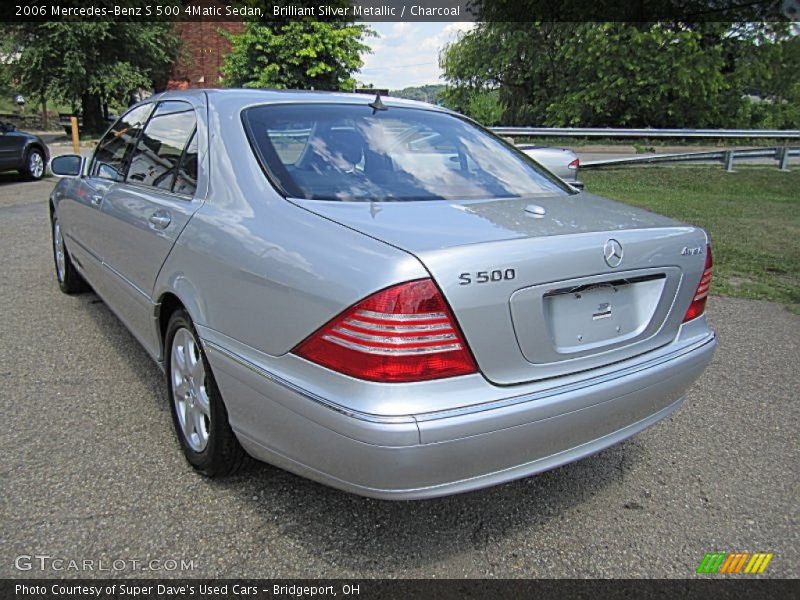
<point>143,215</point>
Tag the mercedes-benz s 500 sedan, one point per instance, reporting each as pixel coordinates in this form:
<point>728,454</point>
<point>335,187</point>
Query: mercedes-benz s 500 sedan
<point>378,294</point>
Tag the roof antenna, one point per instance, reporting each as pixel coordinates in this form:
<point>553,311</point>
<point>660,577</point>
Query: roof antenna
<point>377,104</point>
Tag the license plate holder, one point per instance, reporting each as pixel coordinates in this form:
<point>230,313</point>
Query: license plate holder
<point>600,314</point>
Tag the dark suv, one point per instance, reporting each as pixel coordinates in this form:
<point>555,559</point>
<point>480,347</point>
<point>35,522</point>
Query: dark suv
<point>23,152</point>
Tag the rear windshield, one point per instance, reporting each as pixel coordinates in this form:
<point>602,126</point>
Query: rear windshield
<point>350,152</point>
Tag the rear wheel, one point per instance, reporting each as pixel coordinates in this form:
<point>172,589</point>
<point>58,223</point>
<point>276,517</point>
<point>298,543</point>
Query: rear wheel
<point>34,165</point>
<point>69,280</point>
<point>198,413</point>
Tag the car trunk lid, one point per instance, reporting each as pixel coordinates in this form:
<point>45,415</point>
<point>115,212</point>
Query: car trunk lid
<point>529,281</point>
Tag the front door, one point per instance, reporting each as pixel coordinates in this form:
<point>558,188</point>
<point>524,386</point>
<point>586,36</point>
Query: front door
<point>11,147</point>
<point>143,215</point>
<point>79,212</point>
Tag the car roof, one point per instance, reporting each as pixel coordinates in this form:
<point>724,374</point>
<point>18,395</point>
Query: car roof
<point>251,96</point>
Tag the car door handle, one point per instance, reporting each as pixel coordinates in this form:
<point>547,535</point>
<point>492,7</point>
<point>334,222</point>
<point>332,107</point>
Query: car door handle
<point>160,219</point>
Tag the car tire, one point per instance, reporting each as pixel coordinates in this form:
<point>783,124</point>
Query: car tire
<point>35,165</point>
<point>69,280</point>
<point>198,412</point>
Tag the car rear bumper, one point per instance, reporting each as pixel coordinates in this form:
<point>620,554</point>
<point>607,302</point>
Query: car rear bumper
<point>437,454</point>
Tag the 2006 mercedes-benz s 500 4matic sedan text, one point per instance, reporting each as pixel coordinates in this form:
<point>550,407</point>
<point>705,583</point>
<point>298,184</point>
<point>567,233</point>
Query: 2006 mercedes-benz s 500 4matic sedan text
<point>378,294</point>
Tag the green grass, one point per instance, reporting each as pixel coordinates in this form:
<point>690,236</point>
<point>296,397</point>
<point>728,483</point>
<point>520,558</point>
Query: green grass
<point>752,215</point>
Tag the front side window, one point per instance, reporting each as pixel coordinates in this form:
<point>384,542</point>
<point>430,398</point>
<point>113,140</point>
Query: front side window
<point>350,152</point>
<point>158,154</point>
<point>186,178</point>
<point>115,149</point>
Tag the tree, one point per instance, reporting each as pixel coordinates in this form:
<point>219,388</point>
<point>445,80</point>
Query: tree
<point>431,93</point>
<point>296,55</point>
<point>641,76</point>
<point>524,62</point>
<point>766,64</point>
<point>91,63</point>
<point>6,57</point>
<point>620,74</point>
<point>486,107</point>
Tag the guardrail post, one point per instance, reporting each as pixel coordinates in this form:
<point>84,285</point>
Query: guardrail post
<point>782,155</point>
<point>728,160</point>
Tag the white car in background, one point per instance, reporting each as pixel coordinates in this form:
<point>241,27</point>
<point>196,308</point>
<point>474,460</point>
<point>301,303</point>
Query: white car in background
<point>560,161</point>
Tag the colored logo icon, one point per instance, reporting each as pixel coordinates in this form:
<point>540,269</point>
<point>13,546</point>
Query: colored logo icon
<point>734,562</point>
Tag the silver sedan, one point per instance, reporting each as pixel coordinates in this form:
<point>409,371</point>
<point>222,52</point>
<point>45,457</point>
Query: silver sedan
<point>378,294</point>
<point>560,161</point>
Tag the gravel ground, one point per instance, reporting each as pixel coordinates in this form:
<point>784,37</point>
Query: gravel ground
<point>92,469</point>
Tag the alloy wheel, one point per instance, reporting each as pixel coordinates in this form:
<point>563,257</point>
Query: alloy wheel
<point>189,392</point>
<point>36,165</point>
<point>58,249</point>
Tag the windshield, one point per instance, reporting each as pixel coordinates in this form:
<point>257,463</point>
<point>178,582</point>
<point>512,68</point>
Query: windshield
<point>350,152</point>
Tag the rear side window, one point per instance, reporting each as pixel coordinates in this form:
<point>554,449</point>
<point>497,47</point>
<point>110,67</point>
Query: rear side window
<point>351,152</point>
<point>115,149</point>
<point>160,151</point>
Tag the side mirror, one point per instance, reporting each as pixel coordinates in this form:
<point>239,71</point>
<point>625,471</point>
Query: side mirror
<point>67,165</point>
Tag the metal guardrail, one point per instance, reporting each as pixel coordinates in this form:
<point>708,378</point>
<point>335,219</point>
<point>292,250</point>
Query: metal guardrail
<point>780,154</point>
<point>602,132</point>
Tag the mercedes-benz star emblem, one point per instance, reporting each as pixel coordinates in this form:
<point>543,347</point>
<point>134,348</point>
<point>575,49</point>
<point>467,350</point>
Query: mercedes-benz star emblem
<point>612,252</point>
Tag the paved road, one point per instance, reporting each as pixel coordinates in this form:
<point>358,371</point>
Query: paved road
<point>91,469</point>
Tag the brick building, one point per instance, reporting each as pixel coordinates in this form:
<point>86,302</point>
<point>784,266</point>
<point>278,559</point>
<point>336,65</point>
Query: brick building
<point>203,49</point>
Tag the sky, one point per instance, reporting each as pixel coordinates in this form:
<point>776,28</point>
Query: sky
<point>406,54</point>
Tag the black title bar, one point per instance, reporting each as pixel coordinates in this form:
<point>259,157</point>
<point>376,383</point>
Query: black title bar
<point>371,589</point>
<point>398,10</point>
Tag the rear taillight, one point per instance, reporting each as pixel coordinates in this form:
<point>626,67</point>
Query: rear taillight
<point>574,164</point>
<point>401,334</point>
<point>698,305</point>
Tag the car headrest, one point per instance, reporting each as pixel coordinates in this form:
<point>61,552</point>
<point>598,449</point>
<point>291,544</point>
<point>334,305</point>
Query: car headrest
<point>347,143</point>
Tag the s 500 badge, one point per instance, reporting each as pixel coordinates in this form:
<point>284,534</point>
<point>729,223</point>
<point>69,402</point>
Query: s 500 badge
<point>487,276</point>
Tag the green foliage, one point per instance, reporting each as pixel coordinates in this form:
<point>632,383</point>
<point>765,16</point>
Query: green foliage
<point>486,107</point>
<point>768,67</point>
<point>524,61</point>
<point>630,74</point>
<point>296,55</point>
<point>91,63</point>
<point>6,49</point>
<point>652,76</point>
<point>423,93</point>
<point>6,88</point>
